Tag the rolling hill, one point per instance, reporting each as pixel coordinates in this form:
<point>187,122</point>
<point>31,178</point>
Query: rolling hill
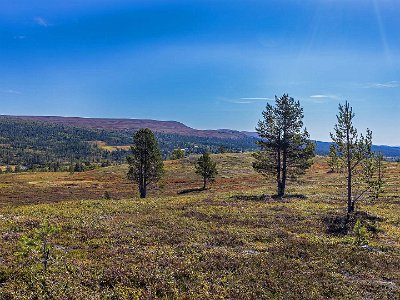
<point>169,127</point>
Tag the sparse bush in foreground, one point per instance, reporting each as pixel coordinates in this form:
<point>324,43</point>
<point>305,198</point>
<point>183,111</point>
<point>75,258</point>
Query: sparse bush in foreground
<point>37,247</point>
<point>360,234</point>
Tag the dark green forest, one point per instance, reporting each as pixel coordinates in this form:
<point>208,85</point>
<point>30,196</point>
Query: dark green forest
<point>38,145</point>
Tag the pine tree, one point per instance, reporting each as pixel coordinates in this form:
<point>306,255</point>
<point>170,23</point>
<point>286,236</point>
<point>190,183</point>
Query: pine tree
<point>145,163</point>
<point>374,173</point>
<point>177,154</point>
<point>206,168</point>
<point>355,153</point>
<point>17,169</point>
<point>333,159</point>
<point>286,149</point>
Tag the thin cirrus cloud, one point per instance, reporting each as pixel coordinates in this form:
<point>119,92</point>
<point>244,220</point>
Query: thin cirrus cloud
<point>41,22</point>
<point>256,98</point>
<point>321,98</point>
<point>382,85</point>
<point>10,91</point>
<point>246,100</point>
<point>250,100</point>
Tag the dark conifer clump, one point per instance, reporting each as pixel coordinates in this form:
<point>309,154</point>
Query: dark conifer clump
<point>286,149</point>
<point>145,163</point>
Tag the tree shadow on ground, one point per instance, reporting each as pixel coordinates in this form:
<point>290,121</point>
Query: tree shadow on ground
<point>342,224</point>
<point>266,197</point>
<point>249,197</point>
<point>291,196</point>
<point>193,190</point>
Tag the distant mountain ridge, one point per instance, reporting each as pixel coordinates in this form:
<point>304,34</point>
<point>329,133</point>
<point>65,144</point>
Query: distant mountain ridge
<point>170,127</point>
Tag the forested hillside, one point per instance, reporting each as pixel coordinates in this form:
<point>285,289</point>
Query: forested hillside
<point>43,145</point>
<point>168,127</point>
<point>36,145</point>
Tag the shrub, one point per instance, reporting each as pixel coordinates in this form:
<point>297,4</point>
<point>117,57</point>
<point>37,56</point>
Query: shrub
<point>360,234</point>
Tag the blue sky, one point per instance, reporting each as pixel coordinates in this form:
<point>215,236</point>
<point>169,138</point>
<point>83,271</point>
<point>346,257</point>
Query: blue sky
<point>209,64</point>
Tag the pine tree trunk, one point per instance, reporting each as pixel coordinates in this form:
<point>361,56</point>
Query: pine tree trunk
<point>143,192</point>
<point>278,176</point>
<point>350,204</point>
<point>204,183</point>
<point>280,190</point>
<point>143,186</point>
<point>284,173</point>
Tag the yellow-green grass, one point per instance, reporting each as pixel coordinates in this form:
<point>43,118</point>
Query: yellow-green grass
<point>228,242</point>
<point>105,146</point>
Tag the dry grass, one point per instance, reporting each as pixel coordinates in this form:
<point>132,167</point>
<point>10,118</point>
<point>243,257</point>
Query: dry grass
<point>226,242</point>
<point>104,146</point>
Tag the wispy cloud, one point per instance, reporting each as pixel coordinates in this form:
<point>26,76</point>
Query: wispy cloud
<point>245,100</point>
<point>322,98</point>
<point>241,101</point>
<point>382,85</point>
<point>10,91</point>
<point>256,99</point>
<point>41,21</point>
<point>251,100</point>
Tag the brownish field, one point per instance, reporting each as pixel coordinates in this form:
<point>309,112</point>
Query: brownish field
<point>236,174</point>
<point>228,242</point>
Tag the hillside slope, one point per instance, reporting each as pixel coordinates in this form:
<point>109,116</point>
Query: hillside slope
<point>38,144</point>
<point>170,127</point>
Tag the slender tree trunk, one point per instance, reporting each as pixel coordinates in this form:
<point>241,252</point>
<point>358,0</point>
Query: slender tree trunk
<point>143,192</point>
<point>284,172</point>
<point>278,176</point>
<point>204,183</point>
<point>350,204</point>
<point>142,183</point>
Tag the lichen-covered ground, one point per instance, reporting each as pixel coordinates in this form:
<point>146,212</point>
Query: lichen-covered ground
<point>228,242</point>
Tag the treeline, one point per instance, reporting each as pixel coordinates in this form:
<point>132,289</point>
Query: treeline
<point>198,145</point>
<point>35,145</point>
<point>44,146</point>
<point>390,153</point>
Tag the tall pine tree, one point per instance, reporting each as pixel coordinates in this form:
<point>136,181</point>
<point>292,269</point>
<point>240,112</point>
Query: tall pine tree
<point>354,150</point>
<point>286,149</point>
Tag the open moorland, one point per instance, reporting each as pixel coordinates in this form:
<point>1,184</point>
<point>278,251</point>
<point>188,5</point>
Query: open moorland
<point>232,241</point>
